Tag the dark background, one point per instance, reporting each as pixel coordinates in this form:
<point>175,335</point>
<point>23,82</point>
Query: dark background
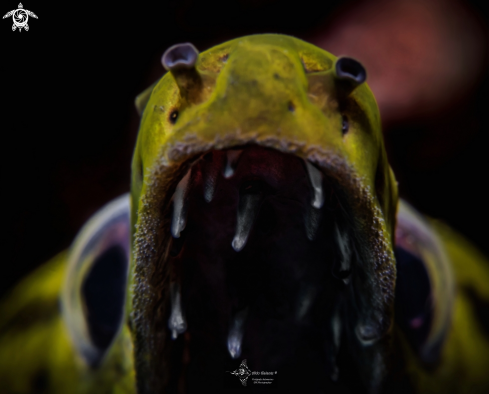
<point>68,123</point>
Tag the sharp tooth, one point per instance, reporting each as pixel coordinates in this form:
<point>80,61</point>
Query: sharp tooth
<point>176,322</point>
<point>210,181</point>
<point>235,337</point>
<point>179,219</point>
<point>231,162</point>
<point>313,216</point>
<point>335,374</point>
<point>336,327</point>
<point>305,302</point>
<point>316,178</point>
<point>248,204</point>
<point>212,165</point>
<point>344,245</point>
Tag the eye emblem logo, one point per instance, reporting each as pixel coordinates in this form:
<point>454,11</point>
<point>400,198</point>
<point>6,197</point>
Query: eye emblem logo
<point>243,372</point>
<point>20,16</point>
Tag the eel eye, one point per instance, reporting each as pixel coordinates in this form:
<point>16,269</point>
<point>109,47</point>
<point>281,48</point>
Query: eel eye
<point>344,124</point>
<point>173,116</point>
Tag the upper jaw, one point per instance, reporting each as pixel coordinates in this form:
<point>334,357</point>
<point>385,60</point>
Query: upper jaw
<point>372,313</point>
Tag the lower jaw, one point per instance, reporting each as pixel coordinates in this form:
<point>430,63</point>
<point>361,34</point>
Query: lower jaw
<point>276,300</point>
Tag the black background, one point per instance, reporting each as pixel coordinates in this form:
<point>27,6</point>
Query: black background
<point>68,123</point>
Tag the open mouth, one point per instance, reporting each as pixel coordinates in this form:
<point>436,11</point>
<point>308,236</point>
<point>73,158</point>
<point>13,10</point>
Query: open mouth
<point>259,258</point>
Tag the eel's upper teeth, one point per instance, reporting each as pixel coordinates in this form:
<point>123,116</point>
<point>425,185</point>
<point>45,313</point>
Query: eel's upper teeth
<point>316,178</point>
<point>179,219</point>
<point>344,245</point>
<point>176,322</point>
<point>235,337</point>
<point>248,204</point>
<point>232,157</point>
<point>210,179</point>
<point>313,216</point>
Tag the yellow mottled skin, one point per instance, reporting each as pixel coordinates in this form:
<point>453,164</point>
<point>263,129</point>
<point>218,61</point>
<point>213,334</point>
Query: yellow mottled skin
<point>249,86</point>
<point>36,355</point>
<point>464,363</point>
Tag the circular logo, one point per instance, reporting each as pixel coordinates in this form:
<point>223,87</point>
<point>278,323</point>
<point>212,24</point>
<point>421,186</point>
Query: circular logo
<point>20,17</point>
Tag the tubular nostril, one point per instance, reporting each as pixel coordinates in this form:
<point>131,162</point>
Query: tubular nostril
<point>180,56</point>
<point>180,60</point>
<point>348,68</point>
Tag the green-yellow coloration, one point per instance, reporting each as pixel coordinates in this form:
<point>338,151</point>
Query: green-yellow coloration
<point>274,91</point>
<point>465,357</point>
<point>36,355</point>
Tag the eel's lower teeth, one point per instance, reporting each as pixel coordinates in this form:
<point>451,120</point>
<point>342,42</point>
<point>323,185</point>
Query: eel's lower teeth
<point>179,219</point>
<point>344,246</point>
<point>232,157</point>
<point>176,322</point>
<point>316,178</point>
<point>248,205</point>
<point>235,337</point>
<point>312,219</point>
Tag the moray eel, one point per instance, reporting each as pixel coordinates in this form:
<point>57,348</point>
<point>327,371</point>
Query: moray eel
<point>263,228</point>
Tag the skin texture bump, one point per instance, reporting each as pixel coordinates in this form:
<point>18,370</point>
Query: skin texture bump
<point>264,128</point>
